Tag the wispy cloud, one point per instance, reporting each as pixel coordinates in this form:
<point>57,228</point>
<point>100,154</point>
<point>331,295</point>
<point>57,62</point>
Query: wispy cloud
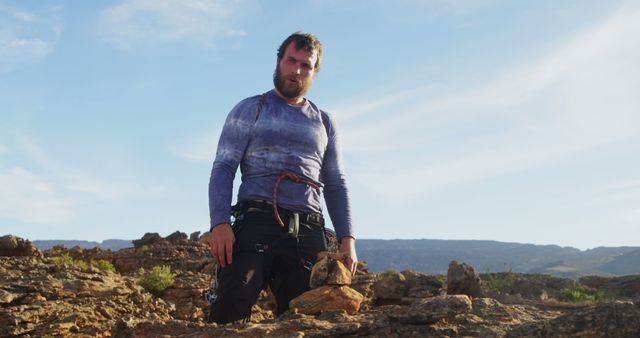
<point>141,22</point>
<point>574,99</point>
<point>30,198</point>
<point>200,148</point>
<point>27,36</point>
<point>44,190</point>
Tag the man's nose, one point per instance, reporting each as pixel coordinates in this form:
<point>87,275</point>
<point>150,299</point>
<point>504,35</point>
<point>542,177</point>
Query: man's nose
<point>298,70</point>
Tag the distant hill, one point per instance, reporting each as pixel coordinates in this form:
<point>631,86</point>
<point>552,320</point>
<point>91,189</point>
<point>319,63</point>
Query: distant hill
<point>433,256</point>
<point>628,263</point>
<point>113,244</point>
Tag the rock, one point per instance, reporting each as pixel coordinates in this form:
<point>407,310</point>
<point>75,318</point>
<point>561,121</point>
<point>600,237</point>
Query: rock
<point>431,310</point>
<point>12,246</point>
<point>329,270</point>
<point>177,238</point>
<point>463,280</point>
<point>204,238</point>
<point>194,236</point>
<point>7,297</point>
<point>390,286</point>
<point>420,285</point>
<point>148,239</point>
<point>617,319</point>
<point>327,298</point>
<point>615,287</point>
<point>491,309</point>
<point>40,298</point>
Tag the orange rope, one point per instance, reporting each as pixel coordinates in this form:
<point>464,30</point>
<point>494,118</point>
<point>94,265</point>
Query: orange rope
<point>294,178</point>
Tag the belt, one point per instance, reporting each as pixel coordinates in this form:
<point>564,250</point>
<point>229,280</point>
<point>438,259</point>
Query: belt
<point>267,206</point>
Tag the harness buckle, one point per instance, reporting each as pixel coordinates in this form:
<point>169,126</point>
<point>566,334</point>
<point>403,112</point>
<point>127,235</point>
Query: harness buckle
<point>294,224</point>
<point>306,264</point>
<point>261,248</point>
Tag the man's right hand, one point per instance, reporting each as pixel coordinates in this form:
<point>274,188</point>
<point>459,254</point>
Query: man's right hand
<point>221,243</point>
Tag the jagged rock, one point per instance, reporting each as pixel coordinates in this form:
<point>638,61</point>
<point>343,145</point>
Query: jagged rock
<point>204,238</point>
<point>431,310</point>
<point>7,297</point>
<point>491,309</point>
<point>463,280</point>
<point>148,239</point>
<point>186,256</point>
<point>614,287</point>
<point>420,285</point>
<point>618,319</point>
<point>12,246</point>
<point>194,236</point>
<point>177,238</point>
<point>390,286</point>
<point>45,299</point>
<point>327,298</point>
<point>329,270</point>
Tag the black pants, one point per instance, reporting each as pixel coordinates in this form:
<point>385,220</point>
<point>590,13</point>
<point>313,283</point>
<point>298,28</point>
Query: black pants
<point>281,266</point>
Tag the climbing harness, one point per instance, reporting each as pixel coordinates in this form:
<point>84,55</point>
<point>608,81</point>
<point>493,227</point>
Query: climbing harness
<point>294,219</point>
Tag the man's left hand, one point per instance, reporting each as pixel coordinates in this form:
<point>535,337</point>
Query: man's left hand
<point>348,246</point>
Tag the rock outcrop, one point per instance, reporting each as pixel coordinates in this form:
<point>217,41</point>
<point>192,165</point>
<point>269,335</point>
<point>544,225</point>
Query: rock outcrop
<point>463,280</point>
<point>59,295</point>
<point>12,246</point>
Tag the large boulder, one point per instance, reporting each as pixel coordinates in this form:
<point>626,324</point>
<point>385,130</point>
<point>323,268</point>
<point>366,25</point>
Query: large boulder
<point>463,280</point>
<point>390,286</point>
<point>327,298</point>
<point>12,246</point>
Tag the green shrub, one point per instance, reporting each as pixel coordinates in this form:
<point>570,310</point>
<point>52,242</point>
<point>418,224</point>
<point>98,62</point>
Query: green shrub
<point>579,294</point>
<point>158,279</point>
<point>390,272</point>
<point>144,248</point>
<point>80,264</point>
<point>104,265</point>
<point>64,259</point>
<point>499,282</point>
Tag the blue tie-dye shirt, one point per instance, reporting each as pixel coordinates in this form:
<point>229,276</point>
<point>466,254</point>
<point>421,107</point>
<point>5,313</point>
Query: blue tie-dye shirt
<point>303,140</point>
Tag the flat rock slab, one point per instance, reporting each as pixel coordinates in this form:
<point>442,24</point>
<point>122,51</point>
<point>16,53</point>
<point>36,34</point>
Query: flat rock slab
<point>327,298</point>
<point>431,310</point>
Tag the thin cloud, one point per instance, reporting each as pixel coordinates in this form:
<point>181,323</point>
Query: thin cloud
<point>30,198</point>
<point>140,22</point>
<point>200,148</point>
<point>27,37</point>
<point>576,98</point>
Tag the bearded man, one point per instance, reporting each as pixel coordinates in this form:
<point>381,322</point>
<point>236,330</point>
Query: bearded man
<point>289,155</point>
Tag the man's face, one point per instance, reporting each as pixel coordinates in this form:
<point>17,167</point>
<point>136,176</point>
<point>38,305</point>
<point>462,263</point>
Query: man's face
<point>294,72</point>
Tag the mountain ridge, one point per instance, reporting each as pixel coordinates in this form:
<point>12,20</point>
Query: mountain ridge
<point>432,256</point>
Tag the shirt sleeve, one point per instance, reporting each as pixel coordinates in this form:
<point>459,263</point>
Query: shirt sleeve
<point>234,139</point>
<point>332,176</point>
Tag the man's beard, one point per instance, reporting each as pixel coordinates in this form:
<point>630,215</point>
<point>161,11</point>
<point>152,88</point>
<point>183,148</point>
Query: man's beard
<point>286,88</point>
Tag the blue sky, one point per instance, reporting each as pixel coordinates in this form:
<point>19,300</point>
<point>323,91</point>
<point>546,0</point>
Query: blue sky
<point>506,120</point>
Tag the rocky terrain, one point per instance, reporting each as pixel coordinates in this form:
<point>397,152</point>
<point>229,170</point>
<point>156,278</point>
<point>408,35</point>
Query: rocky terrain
<point>95,292</point>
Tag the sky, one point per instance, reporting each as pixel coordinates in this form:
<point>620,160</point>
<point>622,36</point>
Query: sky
<point>516,121</point>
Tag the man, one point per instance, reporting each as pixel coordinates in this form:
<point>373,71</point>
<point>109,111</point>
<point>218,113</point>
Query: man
<point>289,154</point>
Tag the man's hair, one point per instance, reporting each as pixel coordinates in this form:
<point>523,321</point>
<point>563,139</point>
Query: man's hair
<point>306,41</point>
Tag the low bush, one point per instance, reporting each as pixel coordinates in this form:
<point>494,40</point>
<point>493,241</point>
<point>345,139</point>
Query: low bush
<point>390,272</point>
<point>104,265</point>
<point>499,282</point>
<point>579,294</point>
<point>64,259</point>
<point>158,279</point>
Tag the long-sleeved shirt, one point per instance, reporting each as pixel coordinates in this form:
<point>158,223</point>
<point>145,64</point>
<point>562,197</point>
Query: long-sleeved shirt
<point>300,139</point>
